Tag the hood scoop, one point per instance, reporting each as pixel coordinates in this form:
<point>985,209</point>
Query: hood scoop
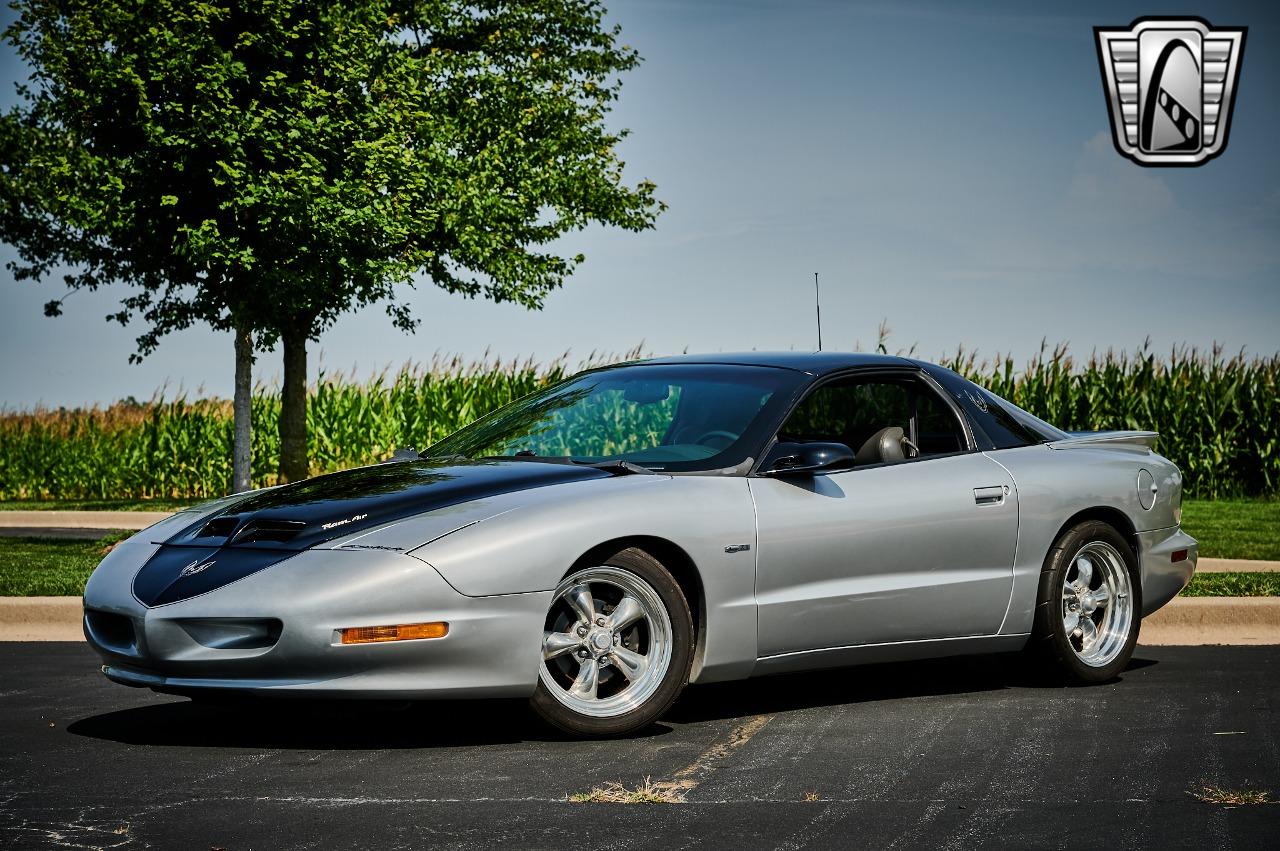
<point>229,530</point>
<point>263,529</point>
<point>219,527</point>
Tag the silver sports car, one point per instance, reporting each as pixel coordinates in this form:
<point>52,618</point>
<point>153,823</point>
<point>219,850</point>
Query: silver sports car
<point>598,545</point>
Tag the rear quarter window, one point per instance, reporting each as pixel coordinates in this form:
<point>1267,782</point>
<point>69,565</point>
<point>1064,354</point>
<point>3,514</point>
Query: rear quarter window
<point>1002,427</point>
<point>987,413</point>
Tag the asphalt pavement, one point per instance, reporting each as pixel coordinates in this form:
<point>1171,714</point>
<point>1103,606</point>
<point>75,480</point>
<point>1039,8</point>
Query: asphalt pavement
<point>961,753</point>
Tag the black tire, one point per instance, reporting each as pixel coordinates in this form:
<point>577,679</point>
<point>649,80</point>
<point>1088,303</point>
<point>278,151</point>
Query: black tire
<point>1050,640</point>
<point>651,571</point>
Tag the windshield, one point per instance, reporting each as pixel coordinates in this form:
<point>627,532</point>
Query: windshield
<point>679,417</point>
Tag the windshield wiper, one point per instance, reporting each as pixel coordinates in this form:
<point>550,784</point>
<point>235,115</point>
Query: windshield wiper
<point>404,453</point>
<point>526,455</point>
<point>439,459</point>
<point>616,467</point>
<point>619,468</point>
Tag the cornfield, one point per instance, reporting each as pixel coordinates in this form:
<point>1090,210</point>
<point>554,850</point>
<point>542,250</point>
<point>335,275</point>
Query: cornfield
<point>1217,417</point>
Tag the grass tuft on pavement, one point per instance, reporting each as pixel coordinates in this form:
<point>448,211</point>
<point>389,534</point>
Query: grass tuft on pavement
<point>647,792</point>
<point>1230,797</point>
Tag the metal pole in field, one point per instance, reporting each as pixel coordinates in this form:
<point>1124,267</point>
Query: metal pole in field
<point>817,308</point>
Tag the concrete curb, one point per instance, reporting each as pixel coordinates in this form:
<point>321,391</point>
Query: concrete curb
<point>41,619</point>
<point>1185,621</point>
<point>1214,620</point>
<point>1236,565</point>
<point>57,520</point>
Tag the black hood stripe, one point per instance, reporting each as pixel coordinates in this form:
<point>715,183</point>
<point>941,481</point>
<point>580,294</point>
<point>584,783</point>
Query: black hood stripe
<point>268,527</point>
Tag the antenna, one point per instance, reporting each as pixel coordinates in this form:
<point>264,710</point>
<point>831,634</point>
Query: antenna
<point>817,309</point>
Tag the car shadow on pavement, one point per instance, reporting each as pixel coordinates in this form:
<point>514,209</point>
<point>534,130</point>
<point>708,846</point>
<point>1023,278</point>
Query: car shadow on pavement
<point>294,724</point>
<point>288,724</point>
<point>866,683</point>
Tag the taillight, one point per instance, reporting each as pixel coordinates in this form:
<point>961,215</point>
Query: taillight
<point>1176,499</point>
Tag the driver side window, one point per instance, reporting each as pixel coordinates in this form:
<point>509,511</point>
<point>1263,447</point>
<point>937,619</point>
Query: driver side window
<point>882,420</point>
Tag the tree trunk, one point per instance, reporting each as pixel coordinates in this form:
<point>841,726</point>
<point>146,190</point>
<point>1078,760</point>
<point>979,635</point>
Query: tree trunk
<point>241,449</point>
<point>293,408</point>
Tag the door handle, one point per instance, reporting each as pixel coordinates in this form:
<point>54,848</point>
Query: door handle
<point>993,495</point>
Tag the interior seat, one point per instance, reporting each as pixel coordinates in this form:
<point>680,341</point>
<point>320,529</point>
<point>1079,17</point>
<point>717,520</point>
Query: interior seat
<point>883,447</point>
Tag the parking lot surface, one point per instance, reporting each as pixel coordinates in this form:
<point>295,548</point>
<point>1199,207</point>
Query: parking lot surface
<point>961,753</point>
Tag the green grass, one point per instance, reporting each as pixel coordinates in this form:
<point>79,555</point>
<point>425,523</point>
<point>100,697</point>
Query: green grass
<point>1234,528</point>
<point>1234,585</point>
<point>39,567</point>
<point>97,504</point>
<point>48,567</point>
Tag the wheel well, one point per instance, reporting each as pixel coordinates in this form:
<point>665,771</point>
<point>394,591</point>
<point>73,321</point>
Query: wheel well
<point>681,568</point>
<point>1113,517</point>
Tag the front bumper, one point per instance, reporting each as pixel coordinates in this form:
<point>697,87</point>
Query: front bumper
<point>278,631</point>
<point>1162,577</point>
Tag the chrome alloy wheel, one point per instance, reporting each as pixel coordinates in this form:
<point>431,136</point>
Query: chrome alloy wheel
<point>606,645</point>
<point>1097,603</point>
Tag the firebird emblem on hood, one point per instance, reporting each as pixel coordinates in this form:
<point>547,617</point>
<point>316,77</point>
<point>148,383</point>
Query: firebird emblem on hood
<point>195,567</point>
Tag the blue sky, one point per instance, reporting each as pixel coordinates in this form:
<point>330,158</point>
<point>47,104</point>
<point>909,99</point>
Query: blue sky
<point>945,168</point>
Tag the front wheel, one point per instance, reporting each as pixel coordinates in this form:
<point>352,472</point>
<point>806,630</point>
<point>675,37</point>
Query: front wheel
<point>616,647</point>
<point>1090,601</point>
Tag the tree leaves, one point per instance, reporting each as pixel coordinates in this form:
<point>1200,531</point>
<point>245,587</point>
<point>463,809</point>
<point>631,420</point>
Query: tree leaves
<point>289,161</point>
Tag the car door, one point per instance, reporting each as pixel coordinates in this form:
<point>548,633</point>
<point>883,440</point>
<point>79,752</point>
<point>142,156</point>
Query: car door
<point>906,550</point>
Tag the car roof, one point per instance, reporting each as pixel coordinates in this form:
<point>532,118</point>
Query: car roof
<point>814,363</point>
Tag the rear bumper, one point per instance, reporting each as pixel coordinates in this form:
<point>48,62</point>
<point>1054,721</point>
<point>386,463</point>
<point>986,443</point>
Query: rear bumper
<point>278,632</point>
<point>1162,577</point>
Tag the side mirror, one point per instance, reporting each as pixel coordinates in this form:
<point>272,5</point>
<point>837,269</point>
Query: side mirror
<point>810,459</point>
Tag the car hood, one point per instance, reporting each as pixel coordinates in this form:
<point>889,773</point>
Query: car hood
<point>269,526</point>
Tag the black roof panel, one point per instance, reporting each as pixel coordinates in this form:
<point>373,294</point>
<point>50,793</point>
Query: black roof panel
<point>815,363</point>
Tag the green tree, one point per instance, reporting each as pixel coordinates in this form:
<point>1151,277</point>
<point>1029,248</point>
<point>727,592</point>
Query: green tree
<point>267,166</point>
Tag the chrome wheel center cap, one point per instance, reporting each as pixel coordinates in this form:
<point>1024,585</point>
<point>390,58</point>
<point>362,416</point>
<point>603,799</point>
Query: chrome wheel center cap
<point>600,640</point>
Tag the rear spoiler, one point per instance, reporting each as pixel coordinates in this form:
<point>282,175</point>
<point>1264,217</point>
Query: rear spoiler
<point>1125,439</point>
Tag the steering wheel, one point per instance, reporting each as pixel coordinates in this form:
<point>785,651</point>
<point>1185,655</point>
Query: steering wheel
<point>728,435</point>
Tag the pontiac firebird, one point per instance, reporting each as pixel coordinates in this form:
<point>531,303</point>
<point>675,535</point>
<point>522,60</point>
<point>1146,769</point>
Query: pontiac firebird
<point>598,545</point>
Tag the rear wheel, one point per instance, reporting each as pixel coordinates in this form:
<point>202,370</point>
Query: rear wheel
<point>616,647</point>
<point>1089,607</point>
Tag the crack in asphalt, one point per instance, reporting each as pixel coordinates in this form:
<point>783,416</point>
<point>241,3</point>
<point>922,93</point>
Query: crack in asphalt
<point>692,774</point>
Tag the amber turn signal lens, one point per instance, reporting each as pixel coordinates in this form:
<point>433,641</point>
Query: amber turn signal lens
<point>397,632</point>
